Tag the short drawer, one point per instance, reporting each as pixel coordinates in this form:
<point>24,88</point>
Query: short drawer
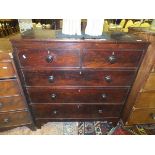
<point>49,58</point>
<point>75,111</point>
<point>150,83</point>
<point>110,59</point>
<point>77,95</point>
<point>11,103</point>
<point>145,100</point>
<point>142,116</point>
<point>6,70</point>
<point>14,119</point>
<point>9,88</point>
<point>78,78</point>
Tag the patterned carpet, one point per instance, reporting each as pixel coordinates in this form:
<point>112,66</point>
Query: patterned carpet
<point>94,128</point>
<point>83,128</point>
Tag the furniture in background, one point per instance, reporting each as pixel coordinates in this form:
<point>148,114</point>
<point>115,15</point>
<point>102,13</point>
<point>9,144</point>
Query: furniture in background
<point>8,27</point>
<point>140,107</point>
<point>124,24</point>
<point>54,24</point>
<point>13,107</point>
<point>77,80</point>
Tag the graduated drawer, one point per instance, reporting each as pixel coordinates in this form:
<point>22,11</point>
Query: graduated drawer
<point>77,95</point>
<point>7,70</point>
<point>49,58</point>
<point>150,83</point>
<point>142,116</point>
<point>14,119</point>
<point>75,111</point>
<point>9,88</point>
<point>95,58</point>
<point>78,78</point>
<point>11,103</point>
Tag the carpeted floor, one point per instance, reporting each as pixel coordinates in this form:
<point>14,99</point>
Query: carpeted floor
<point>51,128</point>
<point>83,128</point>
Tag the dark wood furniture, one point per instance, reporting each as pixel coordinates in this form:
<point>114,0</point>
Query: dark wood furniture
<point>140,107</point>
<point>13,107</point>
<point>77,79</point>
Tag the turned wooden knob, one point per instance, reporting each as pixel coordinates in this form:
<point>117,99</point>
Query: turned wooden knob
<point>112,59</point>
<point>108,78</point>
<point>104,96</point>
<point>49,58</point>
<point>53,96</point>
<point>51,78</point>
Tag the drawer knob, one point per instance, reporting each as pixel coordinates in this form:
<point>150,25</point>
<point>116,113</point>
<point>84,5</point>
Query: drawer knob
<point>104,96</point>
<point>51,79</point>
<point>55,112</point>
<point>78,106</point>
<point>112,59</point>
<point>100,111</point>
<point>6,120</point>
<point>108,78</point>
<point>49,58</point>
<point>53,96</point>
<point>153,116</point>
<point>1,105</point>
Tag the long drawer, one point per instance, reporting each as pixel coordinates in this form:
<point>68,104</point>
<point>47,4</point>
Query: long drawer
<point>142,116</point>
<point>6,70</point>
<point>9,88</point>
<point>77,95</point>
<point>11,103</point>
<point>14,119</point>
<point>110,58</point>
<point>75,111</point>
<point>49,58</point>
<point>48,77</point>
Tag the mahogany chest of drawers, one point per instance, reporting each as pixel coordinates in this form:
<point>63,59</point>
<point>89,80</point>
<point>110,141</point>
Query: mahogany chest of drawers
<point>13,108</point>
<point>71,79</point>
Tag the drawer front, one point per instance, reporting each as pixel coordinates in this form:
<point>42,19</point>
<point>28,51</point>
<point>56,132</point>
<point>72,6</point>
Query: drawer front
<point>49,58</point>
<point>78,78</point>
<point>6,70</point>
<point>81,95</point>
<point>75,111</point>
<point>142,116</point>
<point>9,88</point>
<point>110,59</point>
<point>145,100</point>
<point>14,119</point>
<point>150,83</point>
<point>12,103</point>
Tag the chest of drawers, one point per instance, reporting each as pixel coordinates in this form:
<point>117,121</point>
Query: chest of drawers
<point>141,101</point>
<point>70,80</point>
<point>13,108</point>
